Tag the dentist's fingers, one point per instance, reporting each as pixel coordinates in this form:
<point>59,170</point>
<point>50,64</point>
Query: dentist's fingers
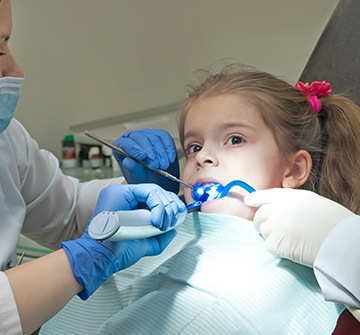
<point>165,207</point>
<point>264,200</point>
<point>261,218</point>
<point>258,198</point>
<point>161,213</point>
<point>131,147</point>
<point>173,206</point>
<point>155,148</point>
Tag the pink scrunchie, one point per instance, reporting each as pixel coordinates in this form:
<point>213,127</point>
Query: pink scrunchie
<point>313,92</point>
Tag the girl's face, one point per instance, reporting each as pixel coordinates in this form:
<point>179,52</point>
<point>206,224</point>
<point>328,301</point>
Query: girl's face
<point>226,139</point>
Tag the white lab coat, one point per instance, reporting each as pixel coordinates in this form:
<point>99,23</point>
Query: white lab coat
<point>37,200</point>
<point>337,266</point>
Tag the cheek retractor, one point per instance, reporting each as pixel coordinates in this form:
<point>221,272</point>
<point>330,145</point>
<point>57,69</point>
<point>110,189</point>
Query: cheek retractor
<point>136,224</point>
<point>202,193</point>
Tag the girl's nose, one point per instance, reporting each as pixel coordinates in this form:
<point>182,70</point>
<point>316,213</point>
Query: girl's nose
<point>206,156</point>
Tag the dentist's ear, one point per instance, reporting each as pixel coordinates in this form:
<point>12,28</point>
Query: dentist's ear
<point>298,173</point>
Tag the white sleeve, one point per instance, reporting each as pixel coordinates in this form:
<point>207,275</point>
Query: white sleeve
<point>9,317</point>
<point>58,207</point>
<point>337,266</point>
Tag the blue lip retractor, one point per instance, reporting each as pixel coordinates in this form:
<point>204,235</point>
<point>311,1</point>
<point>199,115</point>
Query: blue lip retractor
<point>202,193</point>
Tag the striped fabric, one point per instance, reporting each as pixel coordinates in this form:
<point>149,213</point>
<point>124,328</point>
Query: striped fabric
<point>216,277</point>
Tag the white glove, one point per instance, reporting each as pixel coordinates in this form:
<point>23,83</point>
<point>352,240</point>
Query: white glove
<point>295,222</point>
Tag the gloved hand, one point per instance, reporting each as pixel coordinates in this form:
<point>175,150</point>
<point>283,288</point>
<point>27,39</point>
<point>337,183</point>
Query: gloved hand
<point>156,148</point>
<point>295,222</point>
<point>93,262</point>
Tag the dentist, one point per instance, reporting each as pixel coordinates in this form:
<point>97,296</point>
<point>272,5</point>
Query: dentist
<point>37,200</point>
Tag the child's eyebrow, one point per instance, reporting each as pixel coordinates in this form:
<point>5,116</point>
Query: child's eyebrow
<point>190,134</point>
<point>222,127</point>
<point>229,125</point>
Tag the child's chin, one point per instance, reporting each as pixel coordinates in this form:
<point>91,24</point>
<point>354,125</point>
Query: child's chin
<point>229,207</point>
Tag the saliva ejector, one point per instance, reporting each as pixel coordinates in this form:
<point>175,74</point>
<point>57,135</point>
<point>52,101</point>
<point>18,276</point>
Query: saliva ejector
<point>136,224</point>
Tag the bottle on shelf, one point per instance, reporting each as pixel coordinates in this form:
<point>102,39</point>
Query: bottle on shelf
<point>95,157</point>
<point>68,152</point>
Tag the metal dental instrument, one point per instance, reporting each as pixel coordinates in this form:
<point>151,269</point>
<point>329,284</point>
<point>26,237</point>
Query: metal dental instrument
<point>20,258</point>
<point>121,151</point>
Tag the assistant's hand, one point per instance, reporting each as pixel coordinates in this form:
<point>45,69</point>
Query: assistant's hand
<point>295,222</point>
<point>156,148</point>
<point>93,262</point>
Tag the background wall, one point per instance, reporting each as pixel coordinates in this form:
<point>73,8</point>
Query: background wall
<point>85,60</point>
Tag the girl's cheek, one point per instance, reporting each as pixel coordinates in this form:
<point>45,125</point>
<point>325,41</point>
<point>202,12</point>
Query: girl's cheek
<point>230,207</point>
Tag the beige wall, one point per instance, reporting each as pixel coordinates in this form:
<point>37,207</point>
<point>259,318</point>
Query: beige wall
<point>85,60</point>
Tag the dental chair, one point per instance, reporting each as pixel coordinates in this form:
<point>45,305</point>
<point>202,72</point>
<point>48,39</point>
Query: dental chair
<point>347,324</point>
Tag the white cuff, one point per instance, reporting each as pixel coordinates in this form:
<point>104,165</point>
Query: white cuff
<point>9,317</point>
<point>337,265</point>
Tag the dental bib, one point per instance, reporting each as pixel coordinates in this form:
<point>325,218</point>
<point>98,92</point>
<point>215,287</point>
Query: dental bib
<point>216,277</point>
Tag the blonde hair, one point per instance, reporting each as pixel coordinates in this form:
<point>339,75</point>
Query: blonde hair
<point>332,137</point>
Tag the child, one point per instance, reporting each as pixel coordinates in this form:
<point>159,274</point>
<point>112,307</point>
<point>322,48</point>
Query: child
<point>217,277</point>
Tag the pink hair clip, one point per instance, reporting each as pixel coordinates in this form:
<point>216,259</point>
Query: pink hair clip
<point>313,92</point>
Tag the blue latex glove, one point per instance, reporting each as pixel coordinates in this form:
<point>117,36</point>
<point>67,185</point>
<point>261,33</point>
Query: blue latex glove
<point>154,147</point>
<point>93,262</point>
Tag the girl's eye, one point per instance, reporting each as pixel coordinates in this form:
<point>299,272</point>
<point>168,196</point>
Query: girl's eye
<point>192,149</point>
<point>234,140</point>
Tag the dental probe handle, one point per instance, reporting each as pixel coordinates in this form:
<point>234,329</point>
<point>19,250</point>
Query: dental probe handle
<point>121,151</point>
<point>126,225</point>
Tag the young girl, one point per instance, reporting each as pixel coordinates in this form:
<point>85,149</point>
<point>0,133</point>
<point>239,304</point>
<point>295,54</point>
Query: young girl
<point>306,117</point>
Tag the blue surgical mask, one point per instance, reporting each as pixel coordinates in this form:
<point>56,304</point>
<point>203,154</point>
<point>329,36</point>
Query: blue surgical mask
<point>9,96</point>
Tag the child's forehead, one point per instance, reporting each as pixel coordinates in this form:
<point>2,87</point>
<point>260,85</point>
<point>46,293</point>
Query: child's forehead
<point>222,107</point>
<point>223,120</point>
<point>221,110</point>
